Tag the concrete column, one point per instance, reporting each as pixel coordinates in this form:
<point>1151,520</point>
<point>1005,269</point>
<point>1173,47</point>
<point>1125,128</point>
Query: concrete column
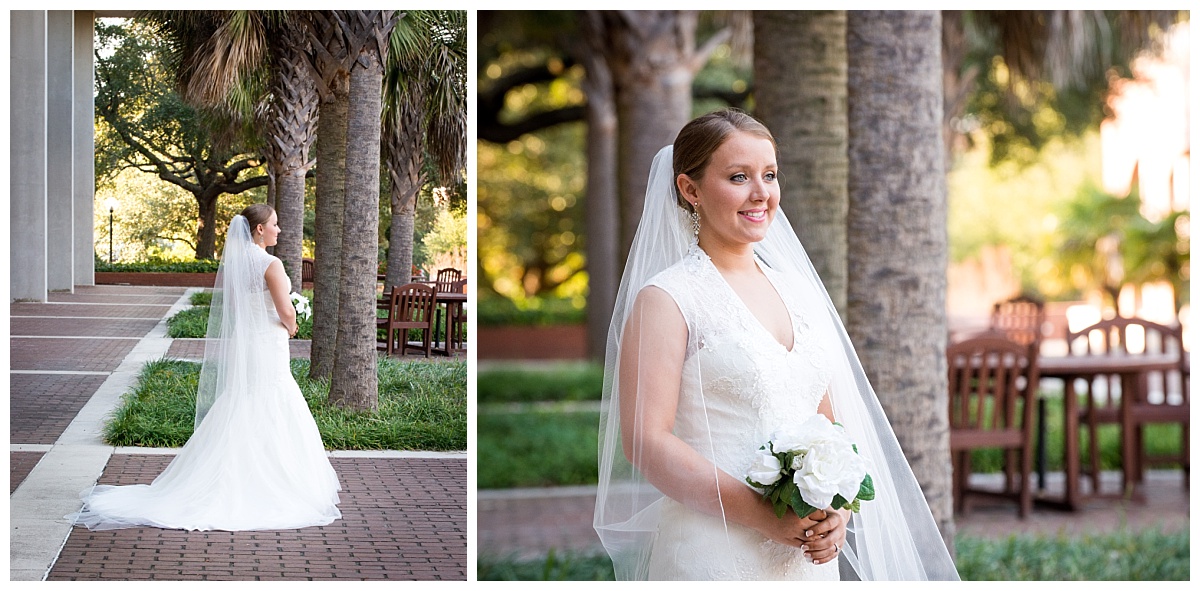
<point>27,155</point>
<point>84,149</point>
<point>60,219</point>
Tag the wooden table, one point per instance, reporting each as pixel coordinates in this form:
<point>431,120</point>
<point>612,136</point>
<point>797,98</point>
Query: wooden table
<point>1071,368</point>
<point>454,302</point>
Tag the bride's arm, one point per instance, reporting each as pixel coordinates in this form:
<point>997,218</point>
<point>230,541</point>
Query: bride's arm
<point>277,282</point>
<point>653,346</point>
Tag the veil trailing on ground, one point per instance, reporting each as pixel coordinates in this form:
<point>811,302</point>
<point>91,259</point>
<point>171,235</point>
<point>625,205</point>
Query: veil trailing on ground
<point>238,318</point>
<point>894,537</point>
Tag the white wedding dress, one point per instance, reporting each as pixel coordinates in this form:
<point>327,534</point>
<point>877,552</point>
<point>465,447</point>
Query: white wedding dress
<point>256,461</point>
<point>739,386</point>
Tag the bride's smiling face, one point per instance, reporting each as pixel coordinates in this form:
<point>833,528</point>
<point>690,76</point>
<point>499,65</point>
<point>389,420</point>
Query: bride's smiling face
<point>737,194</point>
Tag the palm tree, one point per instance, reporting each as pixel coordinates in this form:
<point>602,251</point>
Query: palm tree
<point>327,63</point>
<point>249,63</point>
<point>653,58</point>
<point>424,112</point>
<point>1072,50</point>
<point>897,253</point>
<point>800,95</point>
<point>602,244</point>
<point>354,382</point>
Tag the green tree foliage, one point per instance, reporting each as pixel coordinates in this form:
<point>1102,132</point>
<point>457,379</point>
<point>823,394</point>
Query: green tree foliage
<point>1104,242</point>
<point>143,124</point>
<point>528,220</point>
<point>1043,75</point>
<point>532,166</point>
<point>447,237</point>
<point>154,220</point>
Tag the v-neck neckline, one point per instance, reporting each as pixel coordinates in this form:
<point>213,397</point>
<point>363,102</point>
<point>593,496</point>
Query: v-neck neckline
<point>746,308</point>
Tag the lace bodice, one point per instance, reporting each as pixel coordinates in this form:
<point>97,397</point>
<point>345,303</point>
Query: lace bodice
<point>738,381</point>
<point>263,259</point>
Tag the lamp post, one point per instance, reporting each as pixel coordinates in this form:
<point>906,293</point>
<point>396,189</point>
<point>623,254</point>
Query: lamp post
<point>112,204</point>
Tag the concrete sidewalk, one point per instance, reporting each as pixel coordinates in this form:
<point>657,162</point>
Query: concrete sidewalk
<point>404,513</point>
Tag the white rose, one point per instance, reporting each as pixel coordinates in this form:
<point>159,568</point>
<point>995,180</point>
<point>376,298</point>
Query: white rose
<point>765,470</point>
<point>831,467</point>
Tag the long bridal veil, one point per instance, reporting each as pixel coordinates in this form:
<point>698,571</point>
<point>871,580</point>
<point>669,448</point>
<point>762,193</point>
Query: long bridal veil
<point>894,537</point>
<point>238,318</point>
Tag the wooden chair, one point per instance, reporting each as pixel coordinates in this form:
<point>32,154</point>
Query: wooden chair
<point>446,278</point>
<point>1156,397</point>
<point>410,306</point>
<point>1020,319</point>
<point>993,387</point>
<point>308,270</point>
<point>447,281</point>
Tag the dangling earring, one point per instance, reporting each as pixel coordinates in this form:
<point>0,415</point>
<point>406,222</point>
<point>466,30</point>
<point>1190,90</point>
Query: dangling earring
<point>695,220</point>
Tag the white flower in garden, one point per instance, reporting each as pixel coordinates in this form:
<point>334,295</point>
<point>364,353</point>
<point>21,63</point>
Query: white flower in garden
<point>766,469</point>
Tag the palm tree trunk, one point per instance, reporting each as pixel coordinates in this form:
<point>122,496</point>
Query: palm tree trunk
<point>602,244</point>
<point>289,206</point>
<point>404,145</point>
<point>327,255</point>
<point>355,381</point>
<point>653,60</point>
<point>800,95</point>
<point>293,127</point>
<point>400,236</point>
<point>896,296</point>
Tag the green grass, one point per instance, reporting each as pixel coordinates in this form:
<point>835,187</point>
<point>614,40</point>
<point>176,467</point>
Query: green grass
<point>422,406</point>
<point>192,323</point>
<point>202,298</point>
<point>555,567</point>
<point>189,323</point>
<point>538,448</point>
<point>1121,556</point>
<point>565,381</point>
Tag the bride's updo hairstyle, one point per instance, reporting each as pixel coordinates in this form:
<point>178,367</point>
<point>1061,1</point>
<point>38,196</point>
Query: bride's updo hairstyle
<point>696,142</point>
<point>255,214</point>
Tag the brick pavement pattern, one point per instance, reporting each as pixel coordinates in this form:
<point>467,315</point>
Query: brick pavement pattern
<point>42,405</point>
<point>104,298</point>
<point>87,310</point>
<point>79,327</point>
<point>20,464</point>
<point>402,519</point>
<point>68,354</point>
<point>128,290</point>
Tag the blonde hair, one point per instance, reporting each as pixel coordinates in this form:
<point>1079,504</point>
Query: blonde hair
<point>700,138</point>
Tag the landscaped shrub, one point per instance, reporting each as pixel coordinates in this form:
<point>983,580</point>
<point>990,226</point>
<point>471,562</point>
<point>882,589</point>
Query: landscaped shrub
<point>199,266</point>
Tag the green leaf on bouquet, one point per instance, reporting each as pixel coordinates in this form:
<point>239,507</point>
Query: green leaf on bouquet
<point>854,507</point>
<point>798,505</point>
<point>866,490</point>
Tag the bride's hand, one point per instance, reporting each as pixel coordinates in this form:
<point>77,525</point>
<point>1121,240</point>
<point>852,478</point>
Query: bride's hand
<point>825,540</point>
<point>790,529</point>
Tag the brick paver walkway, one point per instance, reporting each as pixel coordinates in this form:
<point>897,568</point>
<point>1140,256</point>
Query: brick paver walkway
<point>402,519</point>
<point>404,515</point>
<point>42,405</point>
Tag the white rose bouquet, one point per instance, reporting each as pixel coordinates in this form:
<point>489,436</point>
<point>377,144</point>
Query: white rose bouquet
<point>811,466</point>
<point>303,309</point>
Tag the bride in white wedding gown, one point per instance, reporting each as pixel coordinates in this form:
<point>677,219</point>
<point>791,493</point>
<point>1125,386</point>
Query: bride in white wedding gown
<point>721,335</point>
<point>255,460</point>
